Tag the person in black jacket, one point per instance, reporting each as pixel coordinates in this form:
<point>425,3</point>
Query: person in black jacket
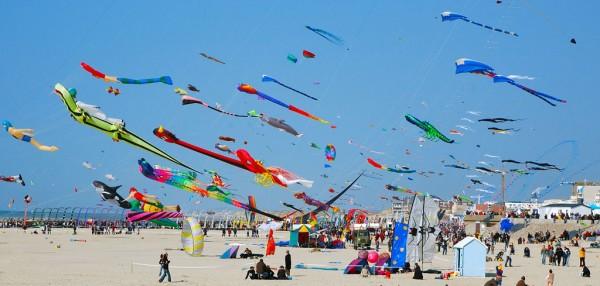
<point>281,273</point>
<point>251,273</point>
<point>418,273</point>
<point>288,262</point>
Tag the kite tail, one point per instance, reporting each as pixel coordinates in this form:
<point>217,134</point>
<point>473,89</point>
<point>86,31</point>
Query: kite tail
<point>538,94</point>
<point>163,79</point>
<point>304,113</point>
<point>293,89</point>
<point>490,27</point>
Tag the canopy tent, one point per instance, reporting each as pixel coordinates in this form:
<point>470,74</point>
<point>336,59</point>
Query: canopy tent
<point>299,235</point>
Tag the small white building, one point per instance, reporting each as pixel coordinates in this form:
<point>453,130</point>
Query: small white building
<point>469,257</point>
<point>564,208</point>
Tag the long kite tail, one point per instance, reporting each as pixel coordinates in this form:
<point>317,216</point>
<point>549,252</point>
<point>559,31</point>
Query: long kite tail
<point>489,27</point>
<point>163,79</point>
<point>326,35</point>
<point>306,114</point>
<point>293,89</point>
<point>186,99</point>
<point>144,216</point>
<point>538,94</point>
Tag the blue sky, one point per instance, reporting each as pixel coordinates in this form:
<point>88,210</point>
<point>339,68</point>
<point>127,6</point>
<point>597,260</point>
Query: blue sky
<point>398,58</point>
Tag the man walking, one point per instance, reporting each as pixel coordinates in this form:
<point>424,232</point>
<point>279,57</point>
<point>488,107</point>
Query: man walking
<point>288,263</point>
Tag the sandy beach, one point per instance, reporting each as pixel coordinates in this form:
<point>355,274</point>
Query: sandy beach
<point>133,260</point>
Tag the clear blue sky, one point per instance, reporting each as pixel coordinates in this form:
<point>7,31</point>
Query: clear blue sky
<point>398,59</point>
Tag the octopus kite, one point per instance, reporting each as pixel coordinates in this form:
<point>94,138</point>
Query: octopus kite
<point>115,128</point>
<point>26,135</point>
<point>97,74</point>
<point>464,65</point>
<point>251,90</point>
<point>431,132</point>
<point>401,170</point>
<point>314,202</point>
<point>264,176</point>
<point>187,181</point>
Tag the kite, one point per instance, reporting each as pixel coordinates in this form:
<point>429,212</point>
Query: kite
<point>264,176</point>
<point>314,202</point>
<point>431,132</point>
<point>463,127</point>
<point>192,88</point>
<point>308,54</point>
<point>11,203</point>
<point>279,124</point>
<point>496,130</point>
<point>13,179</point>
<point>266,78</point>
<point>456,166</point>
<point>456,132</point>
<point>251,90</point>
<point>26,135</point>
<point>476,113</point>
<point>180,91</point>
<point>292,58</point>
<point>449,16</point>
<point>486,170</point>
<point>187,181</point>
<point>112,90</point>
<point>403,190</point>
<point>467,120</point>
<point>146,216</point>
<point>186,99</point>
<point>330,153</point>
<point>110,177</point>
<point>402,170</point>
<point>365,147</point>
<point>223,148</point>
<point>227,138</point>
<point>212,58</point>
<point>327,36</point>
<point>314,145</point>
<point>27,199</point>
<point>293,207</point>
<point>115,128</point>
<point>88,165</point>
<point>464,65</point>
<point>192,237</point>
<point>109,194</point>
<point>476,182</point>
<point>497,120</point>
<point>97,74</point>
<point>543,165</point>
<point>573,41</point>
<point>492,156</point>
<point>511,161</point>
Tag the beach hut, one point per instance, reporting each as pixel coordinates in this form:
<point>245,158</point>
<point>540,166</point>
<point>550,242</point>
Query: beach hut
<point>299,235</point>
<point>469,257</point>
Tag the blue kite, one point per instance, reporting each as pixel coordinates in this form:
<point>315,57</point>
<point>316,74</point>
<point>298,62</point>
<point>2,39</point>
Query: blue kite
<point>449,16</point>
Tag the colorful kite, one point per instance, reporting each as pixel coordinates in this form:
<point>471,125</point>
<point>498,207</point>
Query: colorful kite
<point>449,16</point>
<point>266,78</point>
<point>115,128</point>
<point>431,132</point>
<point>314,202</point>
<point>186,99</point>
<point>308,54</point>
<point>13,179</point>
<point>292,58</point>
<point>330,153</point>
<point>97,74</point>
<point>212,58</point>
<point>401,170</point>
<point>26,135</point>
<point>187,181</point>
<point>223,147</point>
<point>496,130</point>
<point>149,216</point>
<point>227,138</point>
<point>464,65</point>
<point>264,176</point>
<point>192,237</point>
<point>279,124</point>
<point>251,90</point>
<point>327,36</point>
<point>404,190</point>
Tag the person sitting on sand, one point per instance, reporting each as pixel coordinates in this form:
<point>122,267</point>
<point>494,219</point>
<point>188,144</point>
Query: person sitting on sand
<point>364,272</point>
<point>268,274</point>
<point>526,252</point>
<point>418,273</point>
<point>260,268</point>
<point>406,268</point>
<point>246,254</point>
<point>281,273</point>
<point>522,281</point>
<point>251,273</point>
<point>491,282</point>
<point>585,272</point>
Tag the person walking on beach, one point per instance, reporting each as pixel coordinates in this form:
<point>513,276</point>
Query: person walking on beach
<point>566,256</point>
<point>550,278</point>
<point>581,257</point>
<point>223,232</point>
<point>288,263</point>
<point>165,268</point>
<point>160,263</point>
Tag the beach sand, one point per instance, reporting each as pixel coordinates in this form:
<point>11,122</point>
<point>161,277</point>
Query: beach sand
<point>29,259</point>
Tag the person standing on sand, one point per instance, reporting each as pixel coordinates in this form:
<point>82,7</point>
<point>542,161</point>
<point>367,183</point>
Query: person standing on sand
<point>165,268</point>
<point>522,281</point>
<point>288,263</point>
<point>581,257</point>
<point>550,278</point>
<point>160,263</point>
